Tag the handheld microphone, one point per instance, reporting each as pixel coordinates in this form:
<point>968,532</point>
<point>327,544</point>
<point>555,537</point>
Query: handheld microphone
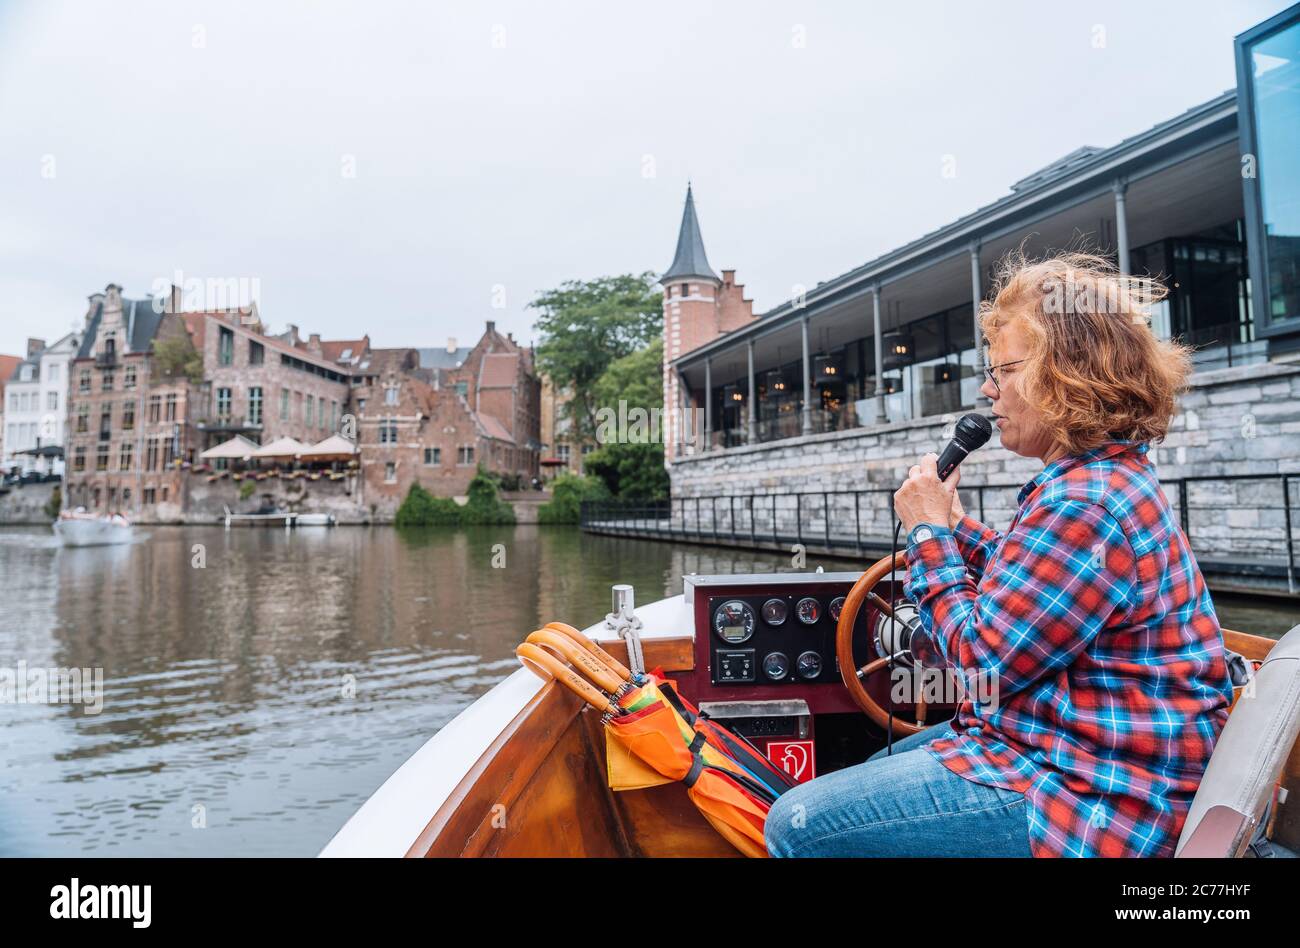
<point>973,431</point>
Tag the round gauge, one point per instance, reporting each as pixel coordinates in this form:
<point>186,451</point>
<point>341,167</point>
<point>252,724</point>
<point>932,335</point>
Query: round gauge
<point>836,605</point>
<point>776,666</point>
<point>809,610</point>
<point>734,621</point>
<point>809,665</point>
<point>775,611</point>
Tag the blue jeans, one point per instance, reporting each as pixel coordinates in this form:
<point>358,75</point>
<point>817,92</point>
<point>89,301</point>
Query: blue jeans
<point>905,804</point>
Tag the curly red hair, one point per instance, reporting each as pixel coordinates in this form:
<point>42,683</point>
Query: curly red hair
<point>1095,371</point>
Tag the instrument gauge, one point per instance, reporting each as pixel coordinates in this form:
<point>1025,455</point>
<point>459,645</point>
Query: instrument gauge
<point>776,666</point>
<point>809,610</point>
<point>837,604</point>
<point>809,665</point>
<point>775,611</point>
<point>734,621</point>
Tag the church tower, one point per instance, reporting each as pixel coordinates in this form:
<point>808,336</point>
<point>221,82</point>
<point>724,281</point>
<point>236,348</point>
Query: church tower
<point>699,306</point>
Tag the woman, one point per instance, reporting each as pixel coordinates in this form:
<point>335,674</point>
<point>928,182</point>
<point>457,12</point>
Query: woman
<point>1090,615</point>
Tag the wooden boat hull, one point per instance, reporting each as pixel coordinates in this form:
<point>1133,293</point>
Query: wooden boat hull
<point>540,790</point>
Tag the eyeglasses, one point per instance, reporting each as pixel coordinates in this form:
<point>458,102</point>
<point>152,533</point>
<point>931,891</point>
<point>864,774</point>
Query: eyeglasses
<point>992,371</point>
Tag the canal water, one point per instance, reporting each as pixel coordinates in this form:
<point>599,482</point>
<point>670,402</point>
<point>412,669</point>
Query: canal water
<point>259,685</point>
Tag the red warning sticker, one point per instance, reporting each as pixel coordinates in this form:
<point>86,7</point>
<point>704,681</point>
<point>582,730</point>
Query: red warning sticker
<point>794,757</point>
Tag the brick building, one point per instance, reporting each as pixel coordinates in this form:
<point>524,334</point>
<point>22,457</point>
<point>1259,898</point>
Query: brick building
<point>433,416</point>
<point>564,452</point>
<point>499,382</point>
<point>136,421</point>
<point>346,353</point>
<point>410,431</point>
<point>129,417</point>
<point>261,386</point>
<point>699,307</point>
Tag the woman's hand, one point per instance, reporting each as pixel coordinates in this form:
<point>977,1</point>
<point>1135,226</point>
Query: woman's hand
<point>958,511</point>
<point>923,498</point>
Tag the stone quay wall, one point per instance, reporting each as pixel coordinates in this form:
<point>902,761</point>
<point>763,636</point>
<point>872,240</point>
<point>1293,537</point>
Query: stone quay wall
<point>26,504</point>
<point>1243,420</point>
<point>207,502</point>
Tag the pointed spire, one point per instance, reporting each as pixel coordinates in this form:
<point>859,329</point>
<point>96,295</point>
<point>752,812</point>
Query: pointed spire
<point>689,261</point>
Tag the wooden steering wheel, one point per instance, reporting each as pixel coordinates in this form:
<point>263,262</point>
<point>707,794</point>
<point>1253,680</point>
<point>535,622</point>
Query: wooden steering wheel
<point>855,678</point>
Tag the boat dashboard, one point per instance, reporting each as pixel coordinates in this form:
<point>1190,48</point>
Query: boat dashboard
<point>766,665</point>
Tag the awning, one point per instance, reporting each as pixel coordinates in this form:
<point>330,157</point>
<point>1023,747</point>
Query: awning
<point>280,448</point>
<point>237,448</point>
<point>43,451</point>
<point>332,448</point>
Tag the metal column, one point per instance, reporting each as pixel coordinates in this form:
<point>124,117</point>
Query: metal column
<point>1121,226</point>
<point>977,293</point>
<point>882,413</point>
<point>752,426</point>
<point>806,427</point>
<point>708,404</point>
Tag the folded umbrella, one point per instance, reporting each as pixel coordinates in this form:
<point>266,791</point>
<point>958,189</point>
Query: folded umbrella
<point>724,747</point>
<point>654,736</point>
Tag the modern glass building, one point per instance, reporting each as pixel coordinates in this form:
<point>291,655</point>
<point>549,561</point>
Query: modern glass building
<point>1268,96</point>
<point>1208,200</point>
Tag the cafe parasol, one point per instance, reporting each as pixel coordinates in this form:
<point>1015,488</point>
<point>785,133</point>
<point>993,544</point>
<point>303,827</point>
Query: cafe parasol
<point>279,450</point>
<point>237,448</point>
<point>333,448</point>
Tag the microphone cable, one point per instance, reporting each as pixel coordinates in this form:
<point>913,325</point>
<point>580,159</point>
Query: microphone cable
<point>889,666</point>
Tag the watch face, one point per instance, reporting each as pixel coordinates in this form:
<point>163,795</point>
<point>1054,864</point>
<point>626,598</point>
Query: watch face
<point>923,533</point>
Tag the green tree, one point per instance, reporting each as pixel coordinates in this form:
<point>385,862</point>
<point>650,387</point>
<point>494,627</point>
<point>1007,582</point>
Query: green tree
<point>629,395</point>
<point>484,505</point>
<point>585,326</point>
<point>422,509</point>
<point>631,471</point>
<point>636,378</point>
<point>568,491</point>
<point>176,355</point>
<point>55,503</point>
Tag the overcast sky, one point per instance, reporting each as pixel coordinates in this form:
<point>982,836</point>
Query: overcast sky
<point>413,169</point>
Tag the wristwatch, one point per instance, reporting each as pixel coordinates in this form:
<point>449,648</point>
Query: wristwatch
<point>920,533</point>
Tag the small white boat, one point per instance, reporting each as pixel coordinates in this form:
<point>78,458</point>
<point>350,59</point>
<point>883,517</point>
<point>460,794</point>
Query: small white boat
<point>314,520</point>
<point>278,517</point>
<point>82,528</point>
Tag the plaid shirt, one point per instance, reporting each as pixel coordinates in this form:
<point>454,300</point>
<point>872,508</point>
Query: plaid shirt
<point>1093,619</point>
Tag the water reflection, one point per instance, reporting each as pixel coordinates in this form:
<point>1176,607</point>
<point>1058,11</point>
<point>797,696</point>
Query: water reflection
<point>258,684</point>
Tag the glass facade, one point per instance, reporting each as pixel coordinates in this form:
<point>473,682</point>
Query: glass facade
<point>937,376</point>
<point>1268,75</point>
<point>1209,305</point>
